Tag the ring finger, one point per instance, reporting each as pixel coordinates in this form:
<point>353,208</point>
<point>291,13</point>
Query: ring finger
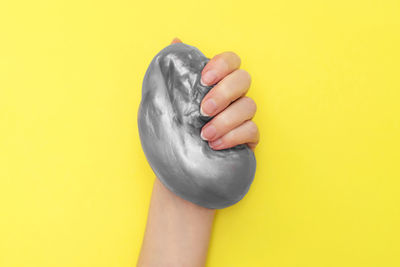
<point>226,91</point>
<point>239,111</point>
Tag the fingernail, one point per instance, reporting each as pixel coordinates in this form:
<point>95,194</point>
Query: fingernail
<point>216,143</point>
<point>208,107</point>
<point>208,132</point>
<point>208,78</point>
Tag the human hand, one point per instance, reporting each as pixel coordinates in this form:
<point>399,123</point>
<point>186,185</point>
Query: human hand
<point>227,103</point>
<point>178,231</point>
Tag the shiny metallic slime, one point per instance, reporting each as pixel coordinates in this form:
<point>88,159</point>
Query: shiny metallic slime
<point>169,126</point>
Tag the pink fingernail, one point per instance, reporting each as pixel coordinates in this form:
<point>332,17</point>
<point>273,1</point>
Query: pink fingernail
<point>208,78</point>
<point>216,143</point>
<point>208,132</point>
<point>208,107</point>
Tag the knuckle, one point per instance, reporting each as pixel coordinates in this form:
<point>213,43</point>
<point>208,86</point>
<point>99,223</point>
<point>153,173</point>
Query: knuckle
<point>230,59</point>
<point>235,57</point>
<point>220,57</point>
<point>221,61</point>
<point>245,75</point>
<point>230,138</point>
<point>250,104</point>
<point>223,92</point>
<point>223,121</point>
<point>252,129</point>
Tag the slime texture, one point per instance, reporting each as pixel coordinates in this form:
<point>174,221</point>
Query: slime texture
<point>170,122</point>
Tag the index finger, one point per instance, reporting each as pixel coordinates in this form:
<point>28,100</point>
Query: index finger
<point>219,66</point>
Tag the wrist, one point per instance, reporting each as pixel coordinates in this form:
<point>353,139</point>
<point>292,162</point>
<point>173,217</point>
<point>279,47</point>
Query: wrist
<point>177,202</point>
<point>177,231</point>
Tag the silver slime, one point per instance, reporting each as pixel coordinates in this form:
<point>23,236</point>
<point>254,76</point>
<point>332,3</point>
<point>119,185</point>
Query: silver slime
<point>170,122</point>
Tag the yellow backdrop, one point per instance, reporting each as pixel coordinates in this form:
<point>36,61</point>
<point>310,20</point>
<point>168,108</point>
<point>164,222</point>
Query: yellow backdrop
<point>75,185</point>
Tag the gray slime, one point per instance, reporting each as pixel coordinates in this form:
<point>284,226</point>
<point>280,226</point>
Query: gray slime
<point>169,123</point>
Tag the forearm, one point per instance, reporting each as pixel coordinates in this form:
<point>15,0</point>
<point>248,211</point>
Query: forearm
<point>177,231</point>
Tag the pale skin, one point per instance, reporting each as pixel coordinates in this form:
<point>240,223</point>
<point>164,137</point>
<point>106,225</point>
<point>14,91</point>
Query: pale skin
<point>178,231</point>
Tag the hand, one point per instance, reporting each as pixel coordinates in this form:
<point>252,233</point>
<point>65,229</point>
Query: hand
<point>232,111</point>
<point>178,231</point>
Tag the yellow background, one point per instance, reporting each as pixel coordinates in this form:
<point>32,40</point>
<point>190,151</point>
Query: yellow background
<point>75,185</point>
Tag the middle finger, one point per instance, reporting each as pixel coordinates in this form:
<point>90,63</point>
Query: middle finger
<point>239,111</point>
<point>225,92</point>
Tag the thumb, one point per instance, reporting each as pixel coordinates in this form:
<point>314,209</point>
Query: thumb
<point>176,40</point>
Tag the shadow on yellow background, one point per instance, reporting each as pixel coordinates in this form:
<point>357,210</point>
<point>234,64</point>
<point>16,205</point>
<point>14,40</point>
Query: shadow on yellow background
<point>75,185</point>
